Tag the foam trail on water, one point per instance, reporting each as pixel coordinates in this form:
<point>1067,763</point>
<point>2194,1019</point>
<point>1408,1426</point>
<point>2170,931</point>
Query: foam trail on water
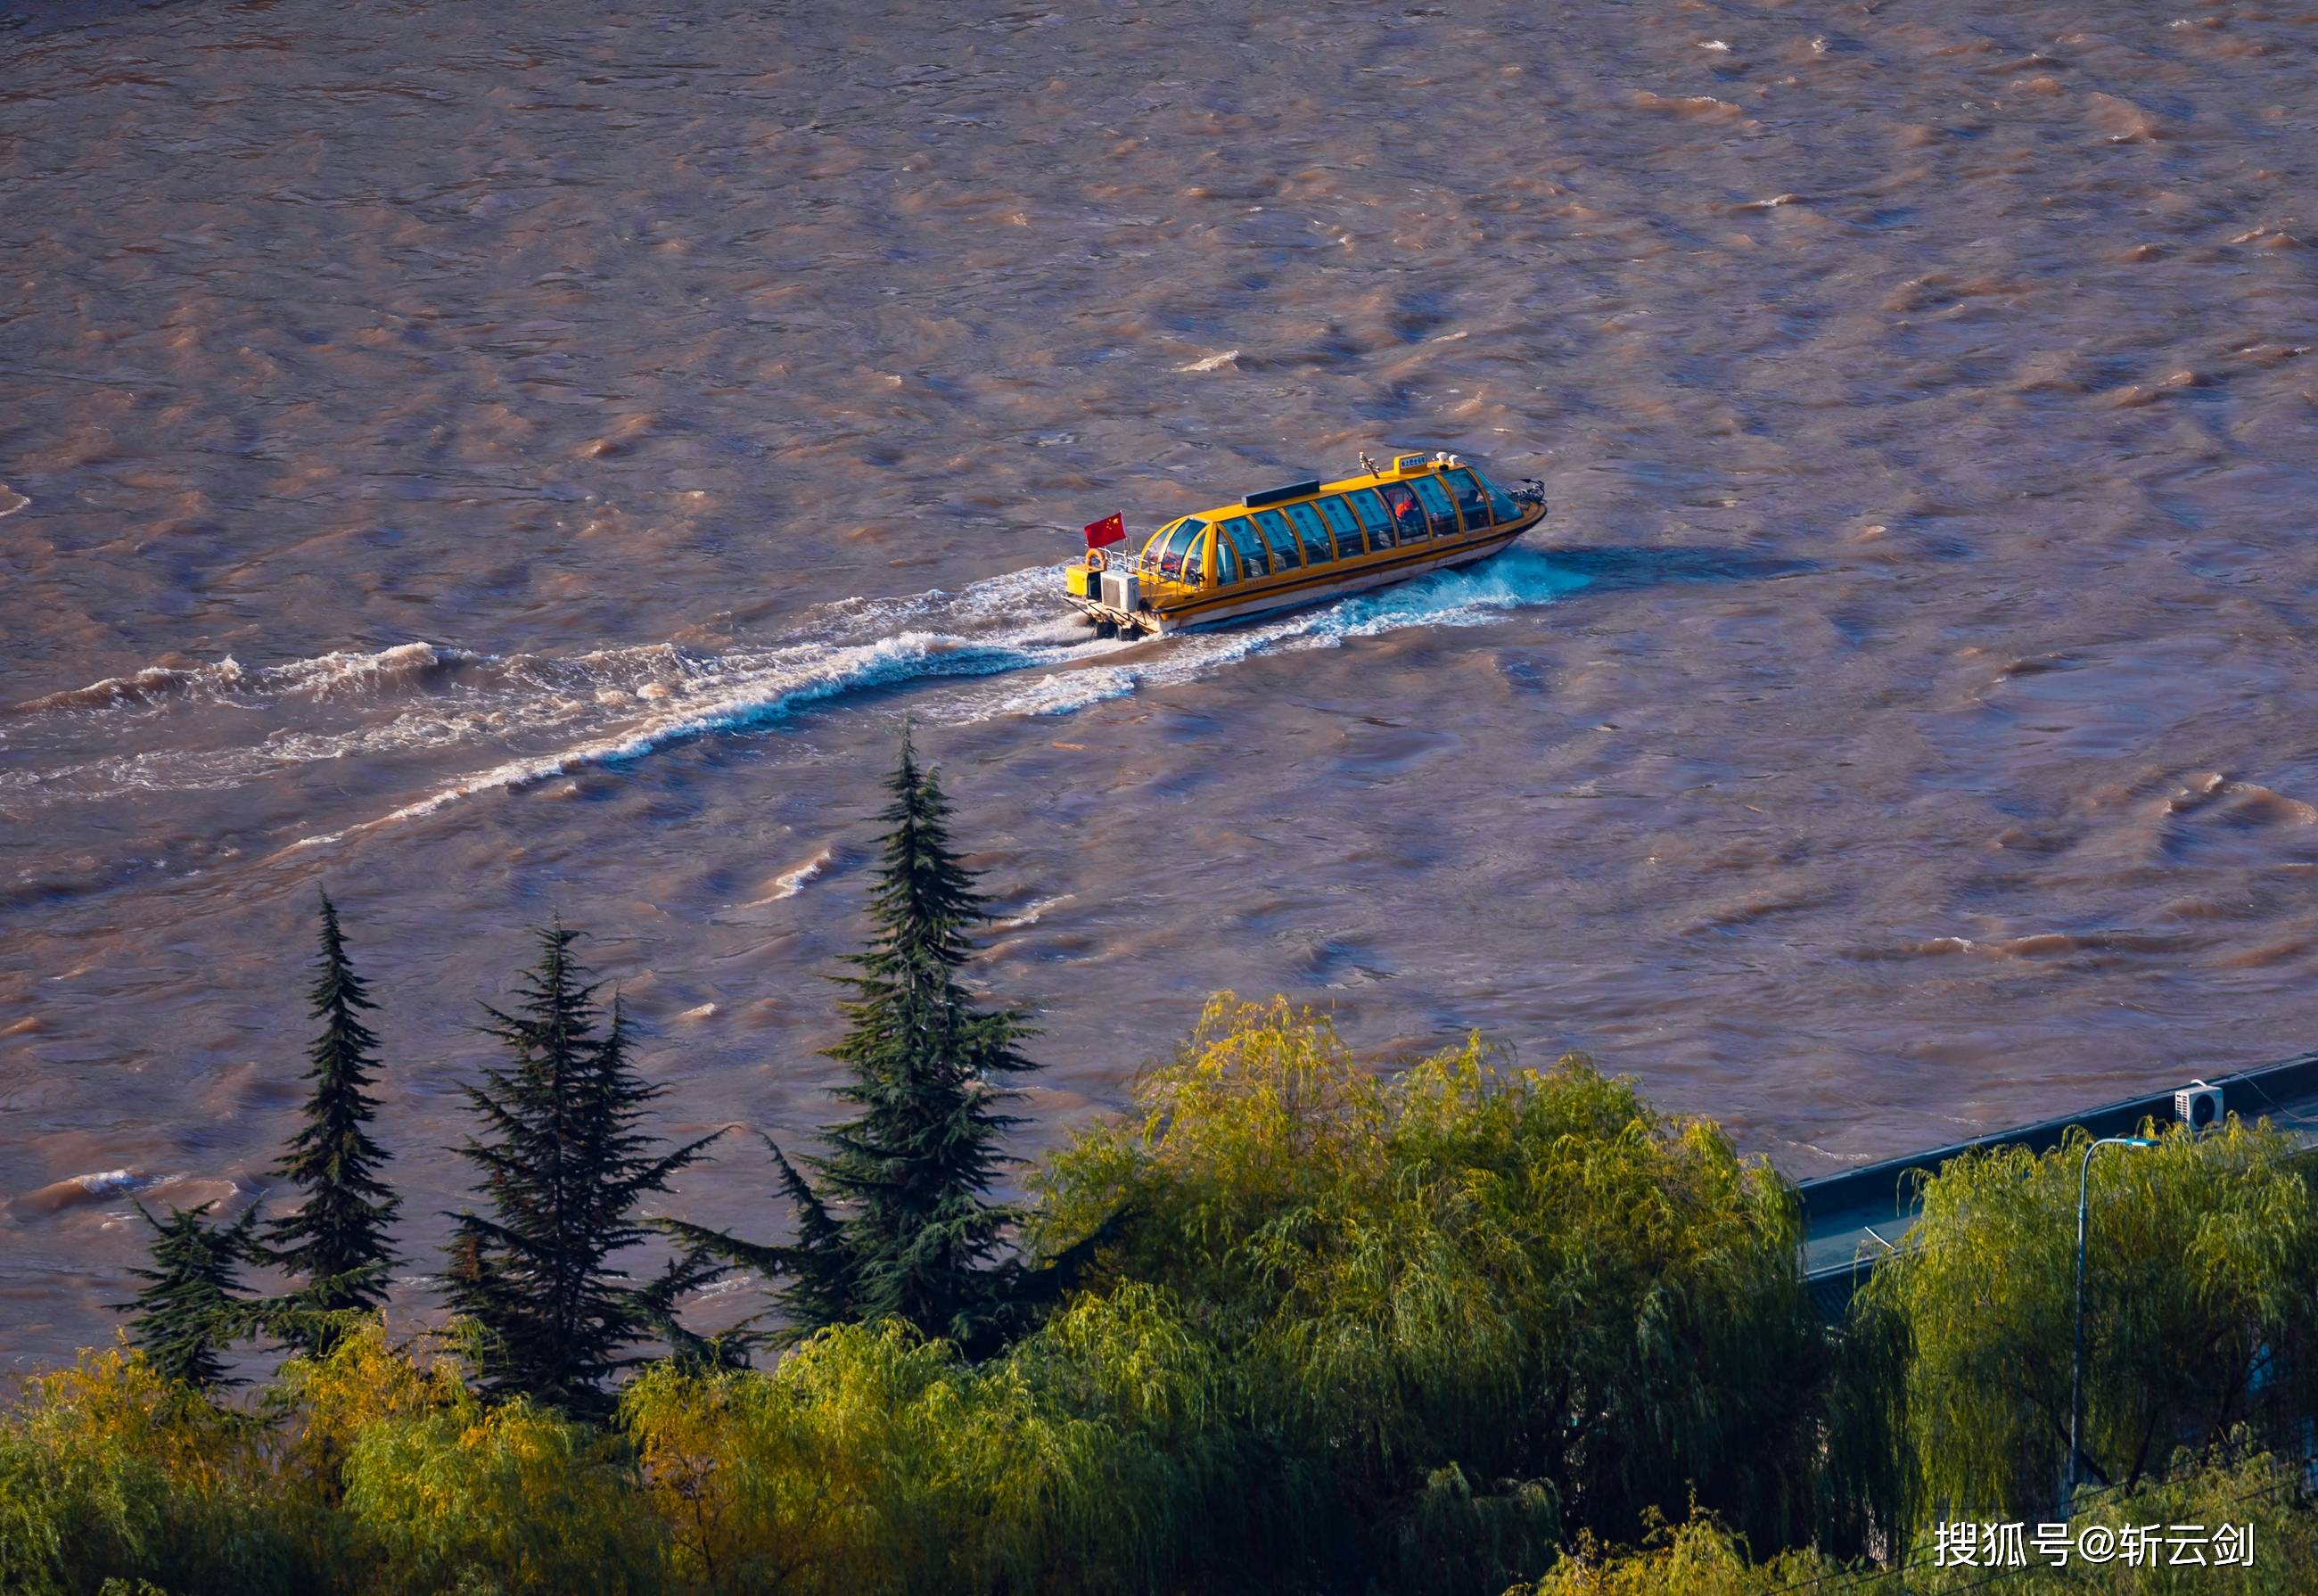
<point>611,706</point>
<point>404,664</point>
<point>757,699</point>
<point>546,711</point>
<point>1514,580</point>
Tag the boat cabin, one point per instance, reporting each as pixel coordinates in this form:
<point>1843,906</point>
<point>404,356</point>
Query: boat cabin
<point>1307,526</point>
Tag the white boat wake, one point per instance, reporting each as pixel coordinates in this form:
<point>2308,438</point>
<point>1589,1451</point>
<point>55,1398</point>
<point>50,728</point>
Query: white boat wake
<point>612,706</point>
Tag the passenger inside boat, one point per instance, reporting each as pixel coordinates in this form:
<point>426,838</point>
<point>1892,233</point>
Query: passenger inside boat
<point>1407,516</point>
<point>1438,505</point>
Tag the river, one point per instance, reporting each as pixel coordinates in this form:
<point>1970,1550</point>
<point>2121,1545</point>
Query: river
<point>498,461</point>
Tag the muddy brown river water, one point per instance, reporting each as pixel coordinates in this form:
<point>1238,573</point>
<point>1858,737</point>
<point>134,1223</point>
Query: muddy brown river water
<point>503,459</point>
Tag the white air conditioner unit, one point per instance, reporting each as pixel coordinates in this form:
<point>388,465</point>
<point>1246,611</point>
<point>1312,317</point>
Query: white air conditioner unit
<point>1122,590</point>
<point>2198,1105</point>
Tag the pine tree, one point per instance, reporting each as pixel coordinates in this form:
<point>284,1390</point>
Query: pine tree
<point>564,1172</point>
<point>192,1305</point>
<point>339,1241</point>
<point>898,1224</point>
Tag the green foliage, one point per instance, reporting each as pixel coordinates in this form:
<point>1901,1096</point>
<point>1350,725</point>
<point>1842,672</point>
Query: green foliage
<point>564,1172</point>
<point>1504,1304</point>
<point>830,1474</point>
<point>510,1498</point>
<point>109,1470</point>
<point>2198,1310</point>
<point>1863,1492</point>
<point>339,1239</point>
<point>1451,1331</point>
<point>1701,1557</point>
<point>192,1305</point>
<point>909,1171</point>
<point>871,1460</point>
<point>897,1223</point>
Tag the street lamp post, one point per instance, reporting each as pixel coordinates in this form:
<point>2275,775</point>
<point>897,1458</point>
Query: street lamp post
<point>2077,1378</point>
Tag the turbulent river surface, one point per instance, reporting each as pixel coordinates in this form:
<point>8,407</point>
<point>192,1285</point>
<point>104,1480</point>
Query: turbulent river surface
<point>504,460</point>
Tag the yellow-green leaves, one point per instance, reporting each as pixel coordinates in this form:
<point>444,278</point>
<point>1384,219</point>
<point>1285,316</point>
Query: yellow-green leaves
<point>2200,1253</point>
<point>513,1499</point>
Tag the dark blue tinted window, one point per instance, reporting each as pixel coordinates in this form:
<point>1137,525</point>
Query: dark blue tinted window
<point>1471,502</point>
<point>1437,500</point>
<point>1339,522</point>
<point>1282,541</point>
<point>1316,536</point>
<point>1373,516</point>
<point>1252,557</point>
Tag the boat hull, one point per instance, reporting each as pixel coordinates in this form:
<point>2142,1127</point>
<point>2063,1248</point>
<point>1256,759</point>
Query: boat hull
<point>1212,613</point>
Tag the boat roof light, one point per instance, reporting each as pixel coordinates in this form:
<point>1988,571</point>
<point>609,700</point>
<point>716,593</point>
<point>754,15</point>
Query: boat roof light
<point>1274,495</point>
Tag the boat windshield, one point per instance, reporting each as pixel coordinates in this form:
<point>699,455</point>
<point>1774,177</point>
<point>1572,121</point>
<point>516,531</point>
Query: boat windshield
<point>1501,503</point>
<point>1165,553</point>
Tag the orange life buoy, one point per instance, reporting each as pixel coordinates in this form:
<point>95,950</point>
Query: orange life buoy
<point>1095,561</point>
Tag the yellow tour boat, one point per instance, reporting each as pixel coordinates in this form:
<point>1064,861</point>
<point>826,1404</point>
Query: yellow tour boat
<point>1303,544</point>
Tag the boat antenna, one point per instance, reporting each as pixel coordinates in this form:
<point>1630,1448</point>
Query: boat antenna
<point>1367,467</point>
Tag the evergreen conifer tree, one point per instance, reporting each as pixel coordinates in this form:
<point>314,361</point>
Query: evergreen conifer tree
<point>339,1241</point>
<point>563,1169</point>
<point>897,1223</point>
<point>191,1306</point>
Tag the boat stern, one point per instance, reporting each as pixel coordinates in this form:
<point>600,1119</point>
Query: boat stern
<point>1112,596</point>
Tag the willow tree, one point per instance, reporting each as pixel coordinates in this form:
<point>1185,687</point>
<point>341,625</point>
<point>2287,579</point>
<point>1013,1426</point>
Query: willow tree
<point>339,1241</point>
<point>1472,1309</point>
<point>565,1164</point>
<point>2201,1329</point>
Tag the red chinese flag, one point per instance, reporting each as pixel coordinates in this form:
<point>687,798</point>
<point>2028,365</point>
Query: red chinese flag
<point>1111,529</point>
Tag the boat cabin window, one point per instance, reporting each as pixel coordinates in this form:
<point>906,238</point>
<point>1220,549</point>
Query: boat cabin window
<point>1282,541</point>
<point>1194,570</point>
<point>1408,515</point>
<point>1227,561</point>
<point>1501,503</point>
<point>1370,508</point>
<point>1316,536</point>
<point>1470,502</point>
<point>1339,522</point>
<point>1252,561</point>
<point>1168,545</point>
<point>1437,500</point>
